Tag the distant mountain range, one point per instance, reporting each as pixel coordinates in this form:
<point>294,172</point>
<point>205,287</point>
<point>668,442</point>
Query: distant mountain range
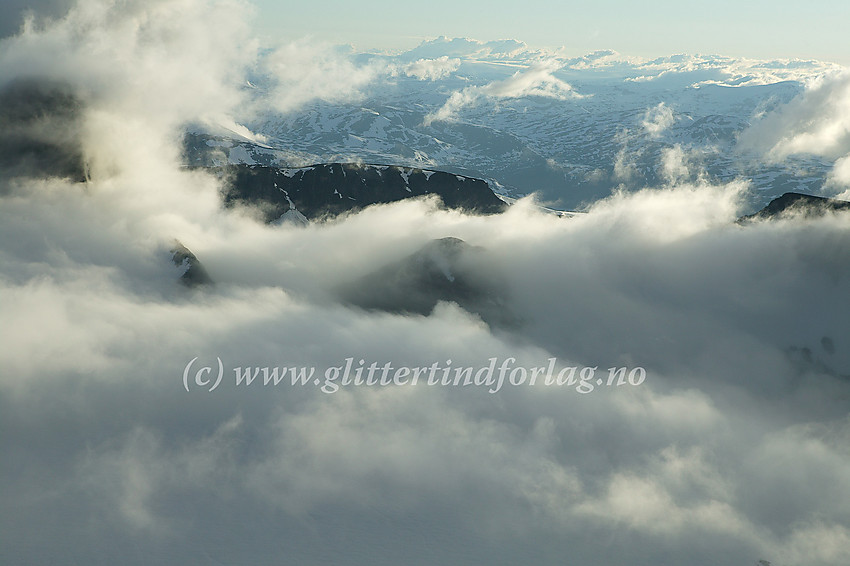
<point>572,130</point>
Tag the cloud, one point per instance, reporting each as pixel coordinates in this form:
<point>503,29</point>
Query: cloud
<point>753,72</point>
<point>662,279</point>
<point>840,176</point>
<point>537,80</point>
<point>138,71</point>
<point>817,122</point>
<point>110,460</point>
<point>302,71</point>
<point>13,13</point>
<point>705,70</point>
<point>679,165</point>
<point>624,168</point>
<point>658,119</point>
<point>432,69</point>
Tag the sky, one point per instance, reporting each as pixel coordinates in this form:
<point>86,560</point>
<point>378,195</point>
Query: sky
<point>758,29</point>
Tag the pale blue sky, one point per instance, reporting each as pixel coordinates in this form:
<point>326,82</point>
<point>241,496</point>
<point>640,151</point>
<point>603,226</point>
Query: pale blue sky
<point>759,28</point>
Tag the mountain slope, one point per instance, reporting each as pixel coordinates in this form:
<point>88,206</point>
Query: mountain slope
<point>448,269</point>
<point>799,203</point>
<point>333,188</point>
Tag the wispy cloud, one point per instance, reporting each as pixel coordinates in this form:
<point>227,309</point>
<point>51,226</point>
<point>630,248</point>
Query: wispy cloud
<point>305,70</point>
<point>816,122</point>
<point>432,69</point>
<point>658,119</point>
<point>537,80</point>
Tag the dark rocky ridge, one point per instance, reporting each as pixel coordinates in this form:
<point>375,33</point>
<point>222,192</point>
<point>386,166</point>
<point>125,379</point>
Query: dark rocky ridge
<point>194,273</point>
<point>40,130</point>
<point>334,188</point>
<point>447,269</point>
<point>798,203</point>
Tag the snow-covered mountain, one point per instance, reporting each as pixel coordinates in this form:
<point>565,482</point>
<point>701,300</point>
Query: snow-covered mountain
<point>570,129</point>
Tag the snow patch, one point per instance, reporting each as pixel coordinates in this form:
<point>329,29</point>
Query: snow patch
<point>239,155</point>
<point>290,173</point>
<point>292,217</point>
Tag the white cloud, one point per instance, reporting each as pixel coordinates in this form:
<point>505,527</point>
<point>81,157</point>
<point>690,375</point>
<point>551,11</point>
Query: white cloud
<point>139,70</point>
<point>537,80</point>
<point>679,165</point>
<point>662,279</point>
<point>304,70</point>
<point>753,72</point>
<point>816,122</point>
<point>432,69</point>
<point>658,119</point>
<point>624,168</point>
<point>840,176</point>
<point>141,57</point>
<point>704,70</point>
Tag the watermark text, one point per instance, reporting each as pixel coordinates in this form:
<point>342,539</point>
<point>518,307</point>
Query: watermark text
<point>494,376</point>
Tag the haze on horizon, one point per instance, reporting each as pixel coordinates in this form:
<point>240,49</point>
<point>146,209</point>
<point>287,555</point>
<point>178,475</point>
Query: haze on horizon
<point>759,30</point>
